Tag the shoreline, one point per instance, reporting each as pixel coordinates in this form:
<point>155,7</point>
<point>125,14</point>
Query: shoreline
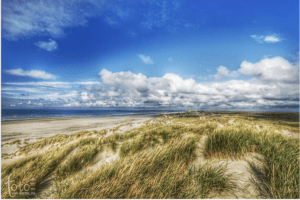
<point>46,127</point>
<point>32,120</point>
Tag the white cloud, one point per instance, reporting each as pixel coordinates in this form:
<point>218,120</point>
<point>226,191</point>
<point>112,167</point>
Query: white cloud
<point>145,59</point>
<point>178,84</point>
<point>124,79</point>
<point>54,84</point>
<point>49,46</point>
<point>32,73</point>
<point>88,83</point>
<point>271,69</point>
<point>85,96</point>
<point>274,84</point>
<point>23,18</point>
<point>266,39</point>
<point>173,90</point>
<point>29,17</point>
<point>271,39</point>
<point>223,72</point>
<point>32,90</point>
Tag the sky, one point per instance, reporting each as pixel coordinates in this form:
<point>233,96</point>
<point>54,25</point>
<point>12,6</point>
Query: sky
<point>203,55</point>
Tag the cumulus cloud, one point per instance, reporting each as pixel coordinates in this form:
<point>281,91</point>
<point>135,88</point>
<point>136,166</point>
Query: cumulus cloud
<point>223,72</point>
<point>273,79</point>
<point>275,69</point>
<point>49,46</point>
<point>31,73</point>
<point>274,84</point>
<point>145,59</point>
<point>266,39</point>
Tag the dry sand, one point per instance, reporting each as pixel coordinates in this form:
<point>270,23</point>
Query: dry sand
<point>35,129</point>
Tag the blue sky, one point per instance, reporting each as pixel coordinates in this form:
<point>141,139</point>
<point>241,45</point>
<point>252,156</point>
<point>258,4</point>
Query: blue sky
<point>222,55</point>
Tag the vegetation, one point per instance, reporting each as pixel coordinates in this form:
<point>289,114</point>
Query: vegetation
<point>281,154</point>
<point>157,160</point>
<point>160,172</point>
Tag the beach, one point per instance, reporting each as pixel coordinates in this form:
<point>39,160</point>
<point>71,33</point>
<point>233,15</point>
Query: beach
<point>66,154</point>
<point>31,130</point>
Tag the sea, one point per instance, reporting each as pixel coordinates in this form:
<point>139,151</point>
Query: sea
<point>20,114</point>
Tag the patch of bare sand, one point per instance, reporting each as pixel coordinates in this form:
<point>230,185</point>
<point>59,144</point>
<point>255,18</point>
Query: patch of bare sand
<point>105,157</point>
<point>288,134</point>
<point>220,125</point>
<point>231,121</point>
<point>246,174</point>
<point>258,127</point>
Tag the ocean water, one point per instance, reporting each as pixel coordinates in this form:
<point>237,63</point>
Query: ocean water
<point>17,114</point>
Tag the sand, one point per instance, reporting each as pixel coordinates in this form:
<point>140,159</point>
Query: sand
<point>35,129</point>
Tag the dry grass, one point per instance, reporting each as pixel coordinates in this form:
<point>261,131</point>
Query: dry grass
<point>160,172</point>
<point>155,159</point>
<point>281,153</point>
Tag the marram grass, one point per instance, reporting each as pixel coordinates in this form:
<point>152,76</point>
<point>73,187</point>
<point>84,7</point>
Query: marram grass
<point>281,156</point>
<point>156,159</point>
<point>160,172</point>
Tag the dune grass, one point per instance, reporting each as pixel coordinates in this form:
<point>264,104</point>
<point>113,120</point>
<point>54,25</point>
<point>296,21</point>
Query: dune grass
<point>281,154</point>
<point>155,159</point>
<point>36,166</point>
<point>88,149</point>
<point>144,141</point>
<point>160,172</point>
<point>213,178</point>
<point>61,138</point>
<point>233,143</point>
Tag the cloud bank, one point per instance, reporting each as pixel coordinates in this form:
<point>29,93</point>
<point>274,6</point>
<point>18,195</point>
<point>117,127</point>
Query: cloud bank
<point>273,84</point>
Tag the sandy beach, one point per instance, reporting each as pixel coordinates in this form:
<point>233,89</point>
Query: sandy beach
<point>32,130</point>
